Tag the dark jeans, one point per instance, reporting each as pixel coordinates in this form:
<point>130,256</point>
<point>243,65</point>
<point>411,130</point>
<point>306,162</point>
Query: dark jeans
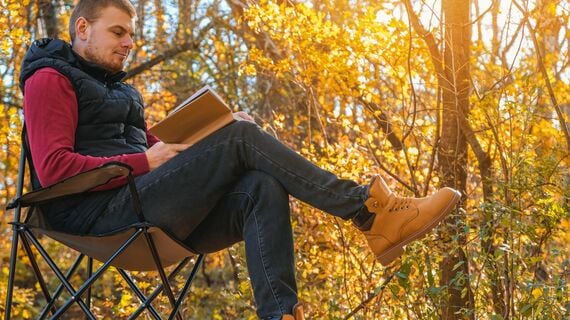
<point>231,186</point>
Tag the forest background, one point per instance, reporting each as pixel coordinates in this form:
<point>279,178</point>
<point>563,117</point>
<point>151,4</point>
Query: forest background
<point>469,94</point>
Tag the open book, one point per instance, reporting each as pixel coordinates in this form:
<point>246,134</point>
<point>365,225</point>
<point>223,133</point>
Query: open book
<point>194,119</point>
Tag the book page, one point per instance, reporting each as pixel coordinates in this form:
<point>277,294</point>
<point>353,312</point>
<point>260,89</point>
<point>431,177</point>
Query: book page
<point>193,97</point>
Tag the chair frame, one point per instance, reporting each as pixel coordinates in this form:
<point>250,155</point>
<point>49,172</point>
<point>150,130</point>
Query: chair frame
<point>22,231</point>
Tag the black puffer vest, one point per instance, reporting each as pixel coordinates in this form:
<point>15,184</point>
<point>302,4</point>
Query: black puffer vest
<point>111,115</point>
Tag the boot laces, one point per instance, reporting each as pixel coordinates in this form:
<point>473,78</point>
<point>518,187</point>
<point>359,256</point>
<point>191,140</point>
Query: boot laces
<point>400,204</point>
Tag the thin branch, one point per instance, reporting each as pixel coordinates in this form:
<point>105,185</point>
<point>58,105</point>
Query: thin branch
<point>371,296</point>
<point>428,38</point>
<point>390,173</point>
<point>168,54</point>
<point>414,96</point>
<point>563,126</point>
<point>384,123</point>
<point>482,14</point>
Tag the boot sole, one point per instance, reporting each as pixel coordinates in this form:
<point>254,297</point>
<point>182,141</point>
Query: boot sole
<point>397,250</point>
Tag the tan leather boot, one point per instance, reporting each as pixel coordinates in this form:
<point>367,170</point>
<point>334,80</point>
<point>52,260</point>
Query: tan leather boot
<point>297,313</point>
<point>400,220</point>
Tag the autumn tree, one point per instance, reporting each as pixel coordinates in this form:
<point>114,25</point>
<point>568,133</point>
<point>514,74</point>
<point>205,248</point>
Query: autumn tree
<point>468,94</point>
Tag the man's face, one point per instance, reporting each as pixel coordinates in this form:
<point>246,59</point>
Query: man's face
<point>109,39</point>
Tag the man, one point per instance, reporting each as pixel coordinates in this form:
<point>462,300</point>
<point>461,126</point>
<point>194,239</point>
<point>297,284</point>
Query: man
<point>231,186</point>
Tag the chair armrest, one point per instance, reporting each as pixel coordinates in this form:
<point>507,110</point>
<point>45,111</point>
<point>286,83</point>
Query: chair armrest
<point>79,183</point>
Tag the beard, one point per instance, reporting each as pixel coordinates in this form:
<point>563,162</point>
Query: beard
<point>92,56</point>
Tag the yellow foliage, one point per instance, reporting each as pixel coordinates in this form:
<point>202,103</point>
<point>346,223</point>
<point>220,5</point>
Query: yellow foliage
<point>331,79</point>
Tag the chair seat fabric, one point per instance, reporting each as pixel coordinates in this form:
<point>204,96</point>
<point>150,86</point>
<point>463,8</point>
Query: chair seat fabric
<point>136,257</point>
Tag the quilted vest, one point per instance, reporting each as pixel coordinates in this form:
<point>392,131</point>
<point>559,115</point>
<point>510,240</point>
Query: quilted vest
<point>110,112</point>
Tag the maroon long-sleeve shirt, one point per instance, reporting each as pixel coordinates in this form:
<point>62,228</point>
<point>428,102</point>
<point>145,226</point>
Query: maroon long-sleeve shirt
<point>50,109</point>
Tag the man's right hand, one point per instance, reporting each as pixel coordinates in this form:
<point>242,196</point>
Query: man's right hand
<point>161,152</point>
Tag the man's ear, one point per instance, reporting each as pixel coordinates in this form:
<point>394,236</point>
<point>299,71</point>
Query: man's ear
<point>81,28</point>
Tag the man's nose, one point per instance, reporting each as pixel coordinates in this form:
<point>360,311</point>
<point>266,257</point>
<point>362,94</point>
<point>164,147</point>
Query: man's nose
<point>128,41</point>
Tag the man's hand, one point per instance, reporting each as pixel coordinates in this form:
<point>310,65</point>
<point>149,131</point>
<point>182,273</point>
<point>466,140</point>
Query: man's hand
<point>240,115</point>
<point>161,152</point>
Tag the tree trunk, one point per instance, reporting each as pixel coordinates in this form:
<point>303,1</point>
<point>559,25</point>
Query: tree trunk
<point>48,18</point>
<point>452,155</point>
<point>185,22</point>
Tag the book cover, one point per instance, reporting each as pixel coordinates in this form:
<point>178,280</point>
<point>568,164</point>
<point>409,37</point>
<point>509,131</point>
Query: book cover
<point>201,114</point>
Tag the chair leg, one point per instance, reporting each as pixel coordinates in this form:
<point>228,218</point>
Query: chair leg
<point>13,258</point>
<point>159,289</point>
<point>160,270</point>
<point>139,294</point>
<point>59,289</point>
<point>37,272</point>
<point>186,286</point>
<point>76,295</point>
<point>16,233</point>
<point>89,274</point>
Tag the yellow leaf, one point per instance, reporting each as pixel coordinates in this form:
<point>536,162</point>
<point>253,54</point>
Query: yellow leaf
<point>537,293</point>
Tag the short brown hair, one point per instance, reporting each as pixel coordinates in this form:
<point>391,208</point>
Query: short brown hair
<point>91,11</point>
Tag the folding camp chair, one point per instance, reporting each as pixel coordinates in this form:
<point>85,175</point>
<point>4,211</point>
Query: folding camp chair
<point>140,247</point>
